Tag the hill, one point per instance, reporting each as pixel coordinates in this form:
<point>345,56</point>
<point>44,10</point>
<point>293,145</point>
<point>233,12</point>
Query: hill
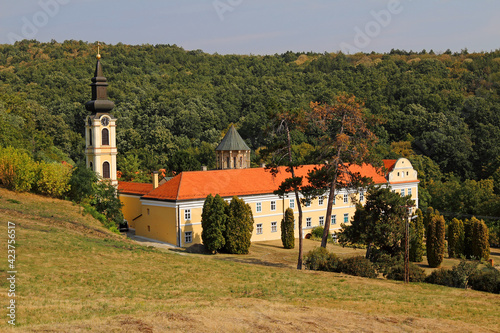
<point>73,275</point>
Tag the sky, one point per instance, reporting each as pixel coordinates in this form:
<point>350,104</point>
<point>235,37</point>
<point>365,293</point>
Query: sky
<point>261,26</point>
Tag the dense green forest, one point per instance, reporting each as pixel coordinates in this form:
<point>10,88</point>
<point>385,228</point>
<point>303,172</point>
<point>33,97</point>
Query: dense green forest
<point>442,111</point>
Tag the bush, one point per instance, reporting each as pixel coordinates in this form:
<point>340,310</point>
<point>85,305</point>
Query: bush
<point>417,232</point>
<point>397,272</point>
<point>320,259</point>
<point>287,232</point>
<point>359,266</point>
<point>486,280</point>
<point>239,227</point>
<point>213,222</point>
<point>441,276</point>
<point>52,179</point>
<point>480,236</point>
<point>17,169</point>
<point>317,232</point>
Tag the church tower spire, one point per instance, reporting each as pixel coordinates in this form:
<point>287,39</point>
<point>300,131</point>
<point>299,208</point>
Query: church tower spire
<point>100,129</point>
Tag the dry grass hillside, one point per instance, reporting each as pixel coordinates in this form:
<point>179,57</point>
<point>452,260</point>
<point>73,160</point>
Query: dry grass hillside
<point>74,276</point>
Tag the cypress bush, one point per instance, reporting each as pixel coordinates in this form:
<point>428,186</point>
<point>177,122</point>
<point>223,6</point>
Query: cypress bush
<point>455,238</point>
<point>468,238</point>
<point>417,232</point>
<point>480,239</point>
<point>435,240</point>
<point>239,227</point>
<point>213,222</point>
<point>287,232</point>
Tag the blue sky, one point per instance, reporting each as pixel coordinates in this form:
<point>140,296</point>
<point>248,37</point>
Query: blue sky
<point>261,26</point>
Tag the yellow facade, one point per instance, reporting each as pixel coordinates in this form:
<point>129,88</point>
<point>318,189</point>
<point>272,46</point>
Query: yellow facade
<point>132,208</point>
<point>157,222</point>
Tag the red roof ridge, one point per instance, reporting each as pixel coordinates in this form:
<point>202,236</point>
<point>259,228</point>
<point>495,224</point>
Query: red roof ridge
<point>179,187</point>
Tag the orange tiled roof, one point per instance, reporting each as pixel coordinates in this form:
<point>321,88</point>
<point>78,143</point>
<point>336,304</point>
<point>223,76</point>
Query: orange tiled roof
<point>389,164</point>
<point>198,184</point>
<point>134,188</point>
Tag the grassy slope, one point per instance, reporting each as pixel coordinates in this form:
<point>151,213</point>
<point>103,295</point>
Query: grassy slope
<point>75,276</point>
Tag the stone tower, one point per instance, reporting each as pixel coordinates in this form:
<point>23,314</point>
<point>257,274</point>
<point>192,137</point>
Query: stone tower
<point>232,152</point>
<point>100,129</point>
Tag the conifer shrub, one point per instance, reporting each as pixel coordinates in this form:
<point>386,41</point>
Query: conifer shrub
<point>441,276</point>
<point>397,272</point>
<point>213,222</point>
<point>417,231</point>
<point>455,238</point>
<point>239,227</point>
<point>287,232</point>
<point>435,236</point>
<point>358,266</point>
<point>468,238</point>
<point>320,259</point>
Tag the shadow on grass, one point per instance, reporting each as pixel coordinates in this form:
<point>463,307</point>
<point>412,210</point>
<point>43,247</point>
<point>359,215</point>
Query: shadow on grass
<point>254,261</point>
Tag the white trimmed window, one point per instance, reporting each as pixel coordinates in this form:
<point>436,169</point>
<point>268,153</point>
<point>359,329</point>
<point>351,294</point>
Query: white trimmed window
<point>409,191</point>
<point>187,214</point>
<point>402,192</point>
<point>346,218</point>
<point>334,219</point>
<point>274,226</point>
<point>259,228</point>
<point>308,221</point>
<point>188,237</point>
<point>308,204</point>
<point>321,221</point>
<point>320,201</point>
<point>273,205</point>
<point>361,196</point>
<point>292,203</point>
<point>346,198</point>
<point>258,207</point>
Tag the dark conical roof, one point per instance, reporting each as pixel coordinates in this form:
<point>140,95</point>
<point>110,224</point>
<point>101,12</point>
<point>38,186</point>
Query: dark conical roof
<point>232,141</point>
<point>100,101</point>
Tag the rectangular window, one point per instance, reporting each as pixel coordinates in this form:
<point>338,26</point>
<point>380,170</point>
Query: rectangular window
<point>402,192</point>
<point>346,218</point>
<point>258,207</point>
<point>274,226</point>
<point>346,198</point>
<point>292,203</point>
<point>273,205</point>
<point>308,222</point>
<point>320,201</point>
<point>409,191</point>
<point>308,204</point>
<point>321,221</point>
<point>188,237</point>
<point>187,214</point>
<point>334,219</point>
<point>334,199</point>
<point>361,196</point>
<point>259,228</point>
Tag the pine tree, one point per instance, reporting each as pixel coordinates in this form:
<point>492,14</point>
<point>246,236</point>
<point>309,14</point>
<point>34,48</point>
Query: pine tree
<point>480,244</point>
<point>435,240</point>
<point>287,232</point>
<point>455,238</point>
<point>417,237</point>
<point>213,222</point>
<point>239,227</point>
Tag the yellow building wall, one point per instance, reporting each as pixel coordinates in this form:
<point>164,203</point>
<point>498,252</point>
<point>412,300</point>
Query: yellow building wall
<point>192,225</point>
<point>158,223</point>
<point>131,208</point>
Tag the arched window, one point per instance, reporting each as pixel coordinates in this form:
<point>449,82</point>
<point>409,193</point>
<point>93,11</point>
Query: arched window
<point>105,137</point>
<point>91,166</point>
<point>90,137</point>
<point>105,170</point>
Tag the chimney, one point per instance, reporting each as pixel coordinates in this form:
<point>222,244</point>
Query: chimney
<point>203,168</point>
<point>155,179</point>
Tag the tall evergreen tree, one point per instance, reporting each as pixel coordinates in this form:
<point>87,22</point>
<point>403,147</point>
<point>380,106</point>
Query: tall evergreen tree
<point>435,240</point>
<point>287,232</point>
<point>455,238</point>
<point>239,227</point>
<point>213,222</point>
<point>417,232</point>
<point>481,244</point>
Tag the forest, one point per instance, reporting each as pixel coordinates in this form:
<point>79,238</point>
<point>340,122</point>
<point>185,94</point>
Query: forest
<point>442,111</point>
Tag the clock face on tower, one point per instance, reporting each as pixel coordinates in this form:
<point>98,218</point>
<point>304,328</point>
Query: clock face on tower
<point>105,121</point>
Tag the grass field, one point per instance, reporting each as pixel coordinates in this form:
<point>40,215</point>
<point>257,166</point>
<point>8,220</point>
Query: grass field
<point>75,276</point>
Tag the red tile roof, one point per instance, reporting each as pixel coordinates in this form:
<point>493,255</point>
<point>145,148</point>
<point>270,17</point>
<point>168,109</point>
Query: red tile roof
<point>134,188</point>
<point>198,184</point>
<point>389,164</point>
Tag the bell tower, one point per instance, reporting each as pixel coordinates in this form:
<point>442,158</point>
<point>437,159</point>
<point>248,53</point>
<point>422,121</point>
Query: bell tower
<point>100,129</point>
